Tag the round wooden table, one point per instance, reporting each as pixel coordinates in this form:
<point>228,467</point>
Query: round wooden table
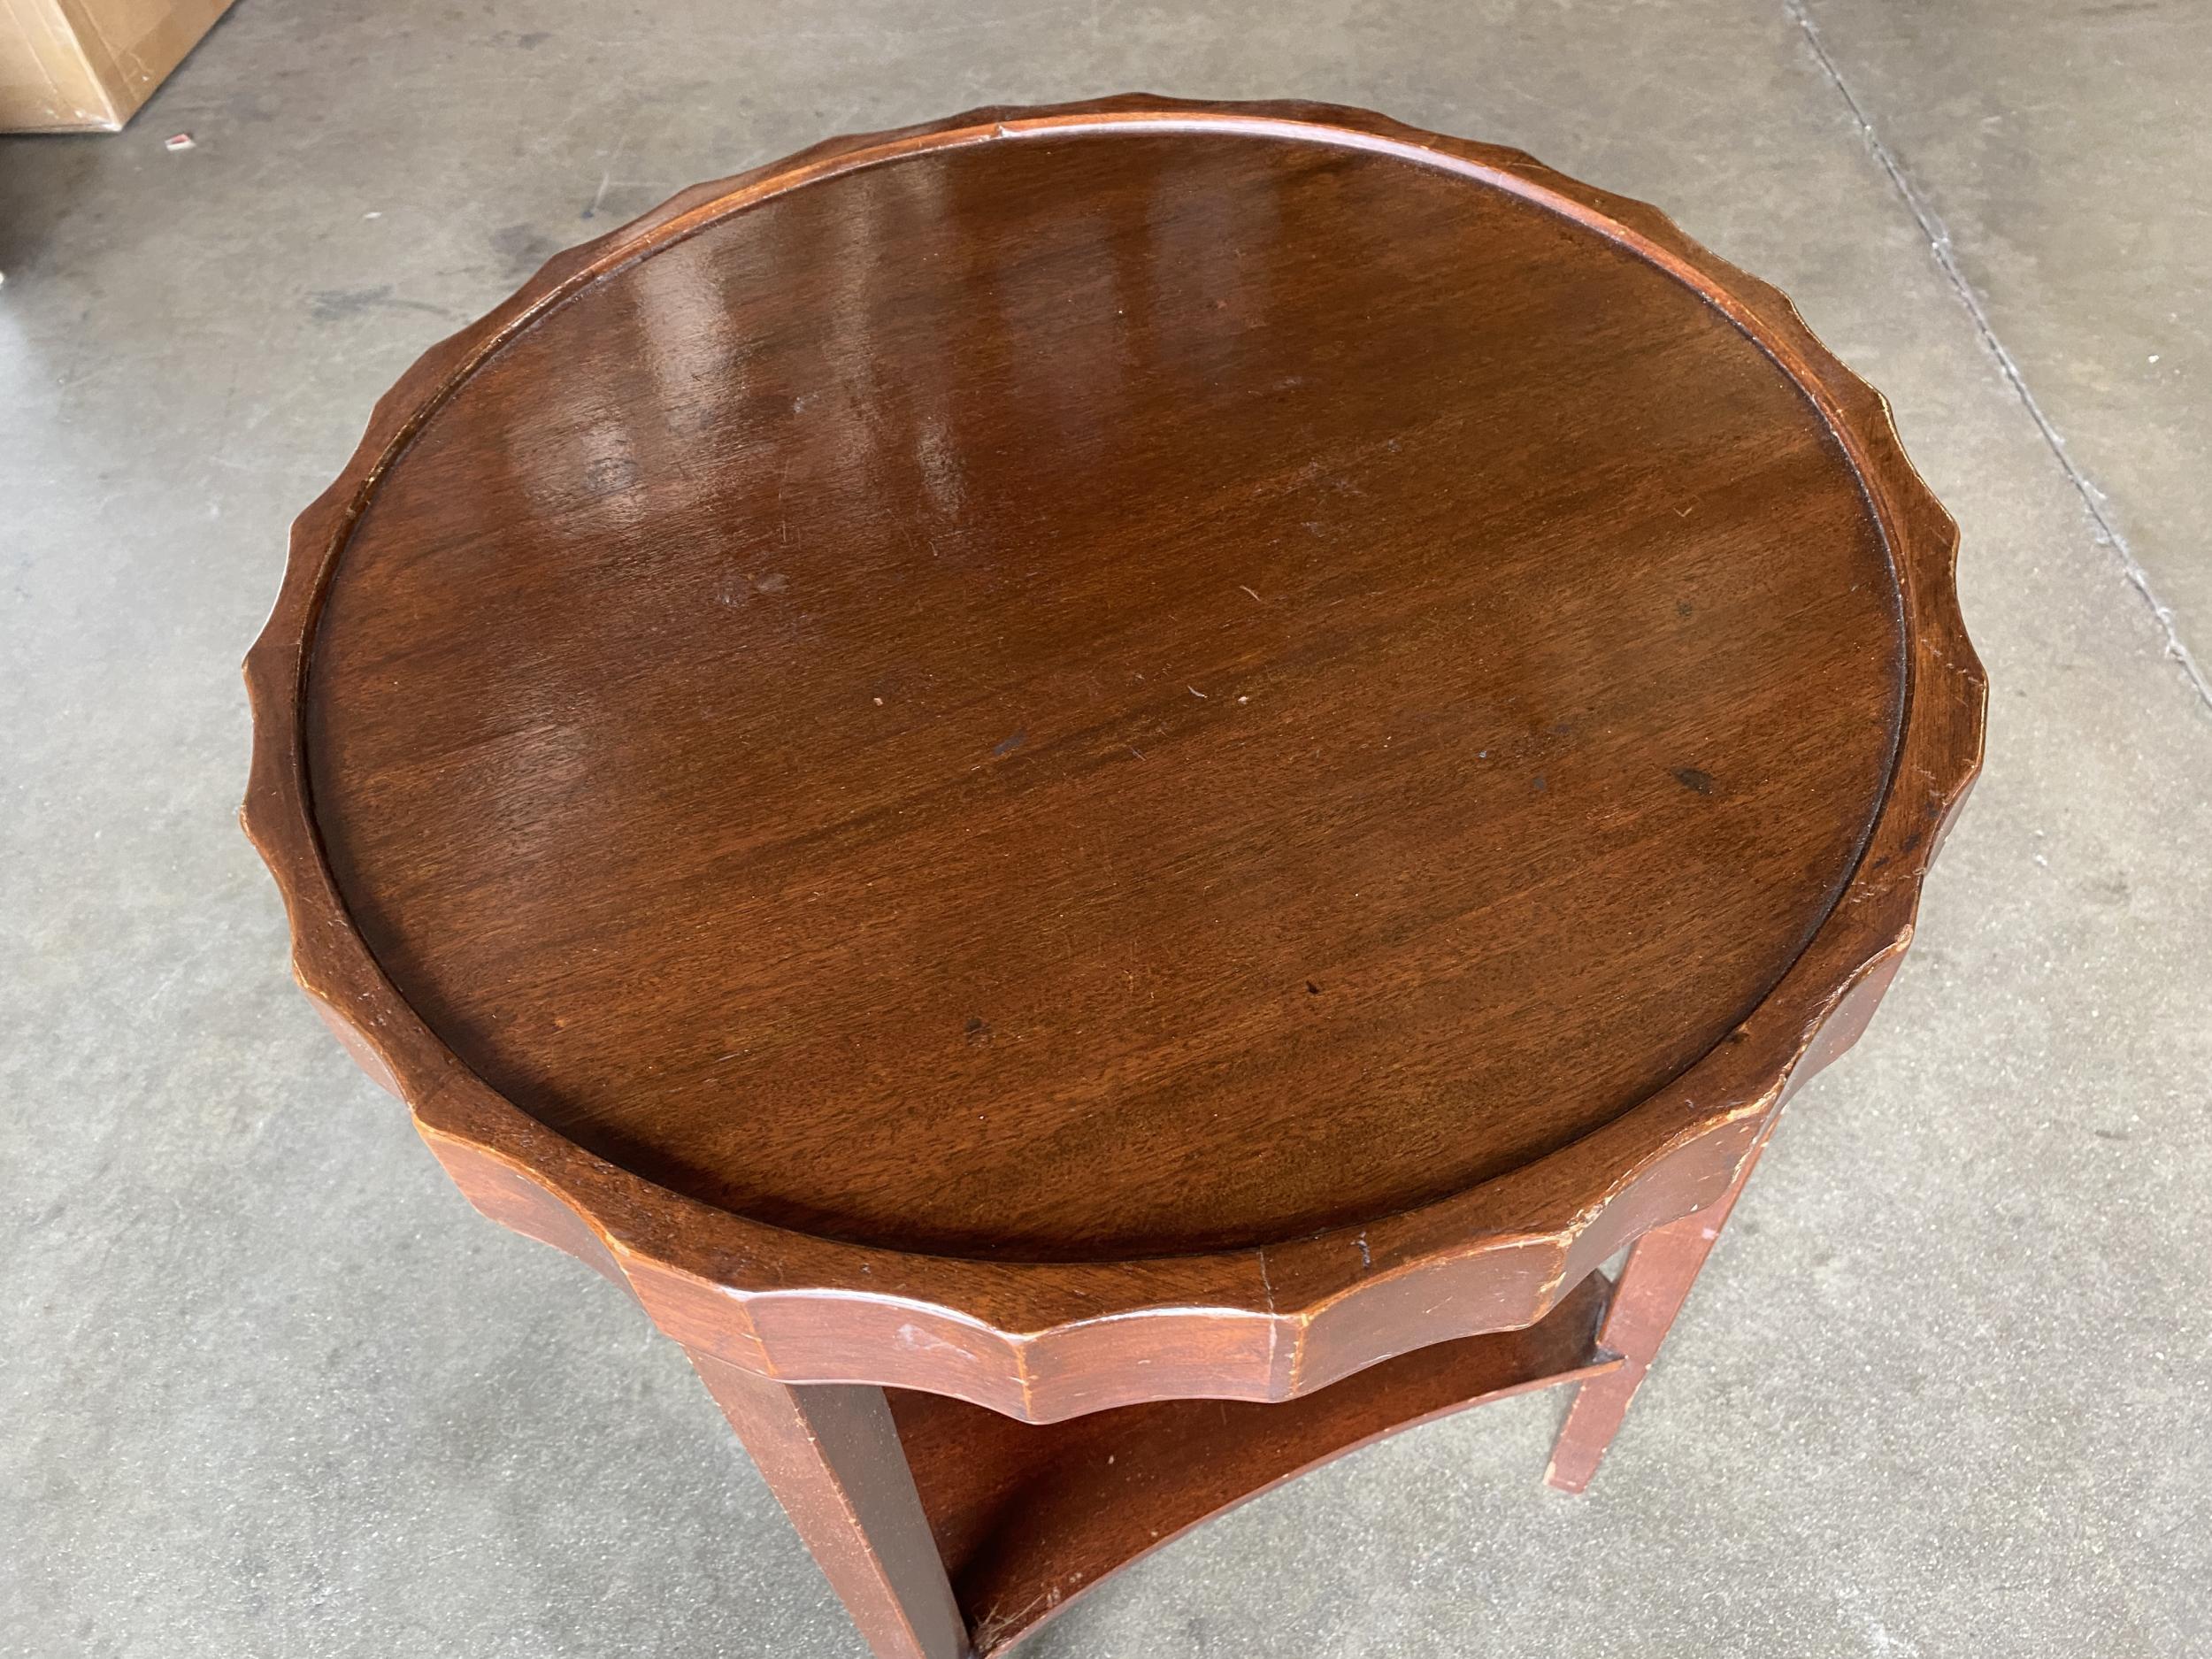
<point>1049,769</point>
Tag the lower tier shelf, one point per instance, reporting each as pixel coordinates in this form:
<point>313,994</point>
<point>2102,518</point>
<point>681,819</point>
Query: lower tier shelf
<point>1026,1516</point>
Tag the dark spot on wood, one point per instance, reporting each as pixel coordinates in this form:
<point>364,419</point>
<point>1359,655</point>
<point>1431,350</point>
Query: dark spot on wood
<point>979,1032</point>
<point>608,473</point>
<point>1684,608</point>
<point>1007,746</point>
<point>1691,777</point>
<point>1312,989</point>
<point>1909,842</point>
<point>1537,782</point>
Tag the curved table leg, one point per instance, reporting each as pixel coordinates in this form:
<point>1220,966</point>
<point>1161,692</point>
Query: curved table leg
<point>831,1455</point>
<point>1654,1282</point>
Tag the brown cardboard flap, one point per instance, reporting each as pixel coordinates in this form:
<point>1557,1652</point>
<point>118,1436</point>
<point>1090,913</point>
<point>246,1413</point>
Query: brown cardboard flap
<point>46,82</point>
<point>79,65</point>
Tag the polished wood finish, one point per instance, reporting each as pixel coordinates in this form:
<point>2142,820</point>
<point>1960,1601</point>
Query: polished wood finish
<point>1260,809</point>
<point>1541,1018</point>
<point>1091,759</point>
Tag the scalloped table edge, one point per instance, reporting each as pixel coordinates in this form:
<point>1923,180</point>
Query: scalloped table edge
<point>1042,1342</point>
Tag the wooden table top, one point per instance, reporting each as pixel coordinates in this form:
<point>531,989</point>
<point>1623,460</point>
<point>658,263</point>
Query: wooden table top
<point>1111,687</point>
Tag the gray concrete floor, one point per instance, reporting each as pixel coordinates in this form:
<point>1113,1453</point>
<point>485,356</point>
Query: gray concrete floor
<point>268,1387</point>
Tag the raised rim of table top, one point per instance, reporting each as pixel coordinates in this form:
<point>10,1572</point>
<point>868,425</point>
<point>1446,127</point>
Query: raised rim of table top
<point>1047,1341</point>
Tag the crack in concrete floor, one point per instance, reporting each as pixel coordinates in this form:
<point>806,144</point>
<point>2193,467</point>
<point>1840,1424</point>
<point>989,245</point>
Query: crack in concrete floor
<point>1938,236</point>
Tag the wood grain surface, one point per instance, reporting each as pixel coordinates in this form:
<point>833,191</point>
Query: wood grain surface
<point>1086,755</point>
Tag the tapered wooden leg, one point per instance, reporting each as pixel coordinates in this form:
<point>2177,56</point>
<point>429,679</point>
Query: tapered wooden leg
<point>1654,1282</point>
<point>832,1457</point>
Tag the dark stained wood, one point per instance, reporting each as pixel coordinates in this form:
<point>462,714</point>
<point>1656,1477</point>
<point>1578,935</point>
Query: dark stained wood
<point>831,1454</point>
<point>1103,697</point>
<point>1027,1518</point>
<point>1112,754</point>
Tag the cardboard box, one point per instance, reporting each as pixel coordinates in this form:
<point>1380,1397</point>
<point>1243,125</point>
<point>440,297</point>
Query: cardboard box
<point>86,66</point>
